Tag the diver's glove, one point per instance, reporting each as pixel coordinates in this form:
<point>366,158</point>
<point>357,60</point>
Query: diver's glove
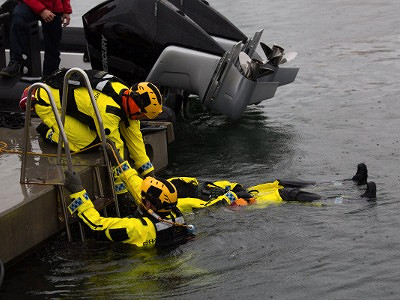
<point>151,174</point>
<point>72,182</point>
<point>113,153</point>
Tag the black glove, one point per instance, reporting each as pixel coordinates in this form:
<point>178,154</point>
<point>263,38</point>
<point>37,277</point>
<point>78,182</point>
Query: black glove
<point>72,182</point>
<point>42,130</point>
<point>150,174</point>
<point>111,150</point>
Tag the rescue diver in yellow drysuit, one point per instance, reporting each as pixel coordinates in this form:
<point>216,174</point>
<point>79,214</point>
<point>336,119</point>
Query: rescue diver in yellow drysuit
<point>120,108</point>
<point>158,221</point>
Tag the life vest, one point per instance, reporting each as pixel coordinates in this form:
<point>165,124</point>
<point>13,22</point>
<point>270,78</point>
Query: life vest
<point>189,187</point>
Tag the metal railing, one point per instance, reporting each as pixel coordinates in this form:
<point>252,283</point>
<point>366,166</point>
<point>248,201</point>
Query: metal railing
<point>64,138</point>
<point>63,141</point>
<point>82,73</point>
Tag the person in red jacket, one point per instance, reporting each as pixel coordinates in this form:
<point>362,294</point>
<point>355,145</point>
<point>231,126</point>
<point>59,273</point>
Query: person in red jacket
<point>53,14</point>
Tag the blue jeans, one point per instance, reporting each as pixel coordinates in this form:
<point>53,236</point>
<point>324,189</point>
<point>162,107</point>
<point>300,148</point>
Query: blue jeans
<point>52,32</point>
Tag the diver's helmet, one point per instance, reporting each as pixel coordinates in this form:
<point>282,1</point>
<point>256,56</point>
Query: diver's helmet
<point>159,192</point>
<point>144,98</point>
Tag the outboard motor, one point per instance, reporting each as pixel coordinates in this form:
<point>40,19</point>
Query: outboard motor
<point>154,40</point>
<point>215,24</point>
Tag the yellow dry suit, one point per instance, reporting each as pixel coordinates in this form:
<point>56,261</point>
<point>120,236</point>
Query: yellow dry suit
<point>143,230</point>
<point>192,195</point>
<point>81,124</point>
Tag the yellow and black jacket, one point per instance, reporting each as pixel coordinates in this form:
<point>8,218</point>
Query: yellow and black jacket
<point>192,195</point>
<point>81,124</point>
<point>144,231</point>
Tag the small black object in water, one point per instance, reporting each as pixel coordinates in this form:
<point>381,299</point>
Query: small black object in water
<point>370,192</point>
<point>361,175</point>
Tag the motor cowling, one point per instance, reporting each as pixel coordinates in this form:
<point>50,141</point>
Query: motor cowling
<point>125,37</point>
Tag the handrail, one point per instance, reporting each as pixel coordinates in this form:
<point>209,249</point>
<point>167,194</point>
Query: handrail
<point>62,134</point>
<point>67,76</point>
<point>27,124</point>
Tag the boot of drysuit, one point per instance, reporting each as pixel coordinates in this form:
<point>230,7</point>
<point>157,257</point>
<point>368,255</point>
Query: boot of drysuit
<point>361,175</point>
<point>370,192</point>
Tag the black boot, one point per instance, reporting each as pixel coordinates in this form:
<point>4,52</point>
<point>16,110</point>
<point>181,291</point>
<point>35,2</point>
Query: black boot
<point>12,70</point>
<point>294,194</point>
<point>42,129</point>
<point>361,175</point>
<point>370,192</point>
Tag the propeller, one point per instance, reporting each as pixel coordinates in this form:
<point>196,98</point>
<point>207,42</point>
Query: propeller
<point>253,68</point>
<point>276,55</point>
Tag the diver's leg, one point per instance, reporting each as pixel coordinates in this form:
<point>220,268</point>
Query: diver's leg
<point>79,135</point>
<point>294,194</point>
<point>295,183</point>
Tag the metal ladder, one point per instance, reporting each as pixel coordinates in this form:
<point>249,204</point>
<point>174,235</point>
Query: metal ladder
<point>64,140</point>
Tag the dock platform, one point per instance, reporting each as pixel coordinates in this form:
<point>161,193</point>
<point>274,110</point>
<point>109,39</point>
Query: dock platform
<point>29,213</point>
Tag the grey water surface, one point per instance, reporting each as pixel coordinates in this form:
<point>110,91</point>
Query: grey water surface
<point>342,109</point>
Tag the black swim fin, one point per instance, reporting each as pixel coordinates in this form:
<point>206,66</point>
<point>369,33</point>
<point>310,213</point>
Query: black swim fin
<point>370,192</point>
<point>362,174</point>
<point>294,194</point>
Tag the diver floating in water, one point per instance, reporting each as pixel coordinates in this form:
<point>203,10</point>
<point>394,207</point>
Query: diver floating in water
<point>158,220</point>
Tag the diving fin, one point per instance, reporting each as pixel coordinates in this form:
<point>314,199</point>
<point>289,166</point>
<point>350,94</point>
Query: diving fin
<point>361,175</point>
<point>370,192</point>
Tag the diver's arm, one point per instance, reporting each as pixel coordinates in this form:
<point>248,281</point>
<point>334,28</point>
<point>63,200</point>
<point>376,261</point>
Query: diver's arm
<point>125,230</point>
<point>131,179</point>
<point>123,170</point>
<point>136,147</point>
<point>188,204</point>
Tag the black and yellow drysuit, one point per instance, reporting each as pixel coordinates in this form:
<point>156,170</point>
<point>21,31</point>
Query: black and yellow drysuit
<point>193,195</point>
<point>145,230</point>
<point>81,124</point>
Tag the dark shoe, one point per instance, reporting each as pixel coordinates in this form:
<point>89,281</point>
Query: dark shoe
<point>361,175</point>
<point>12,70</point>
<point>370,192</point>
<point>42,129</point>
